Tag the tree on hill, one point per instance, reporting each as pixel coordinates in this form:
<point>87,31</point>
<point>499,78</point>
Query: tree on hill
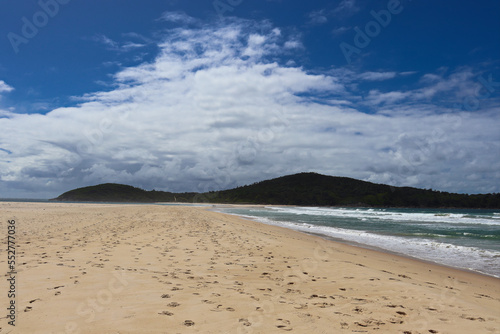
<point>298,189</point>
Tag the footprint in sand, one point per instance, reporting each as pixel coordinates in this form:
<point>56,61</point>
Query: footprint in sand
<point>284,324</point>
<point>206,301</point>
<point>217,309</point>
<point>463,316</point>
<point>245,322</point>
<point>188,323</point>
<point>166,313</point>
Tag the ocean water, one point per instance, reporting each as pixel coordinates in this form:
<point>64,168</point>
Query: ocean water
<point>467,239</point>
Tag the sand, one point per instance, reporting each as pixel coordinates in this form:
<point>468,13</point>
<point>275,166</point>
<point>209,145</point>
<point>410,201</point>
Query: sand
<point>87,268</point>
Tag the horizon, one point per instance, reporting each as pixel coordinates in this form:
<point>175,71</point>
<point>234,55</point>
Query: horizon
<point>212,95</point>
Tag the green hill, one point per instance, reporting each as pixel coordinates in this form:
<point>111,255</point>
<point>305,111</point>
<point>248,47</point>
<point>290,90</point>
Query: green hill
<point>298,189</point>
<point>316,189</point>
<point>112,192</point>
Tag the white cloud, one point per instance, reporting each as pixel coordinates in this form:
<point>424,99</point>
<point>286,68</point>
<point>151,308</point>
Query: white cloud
<point>318,17</point>
<point>346,7</point>
<point>131,45</point>
<point>4,87</point>
<point>293,45</point>
<point>216,109</point>
<point>377,76</point>
<point>407,73</point>
<point>112,45</point>
<point>376,97</point>
<point>105,41</point>
<point>6,113</point>
<point>340,31</point>
<point>177,17</point>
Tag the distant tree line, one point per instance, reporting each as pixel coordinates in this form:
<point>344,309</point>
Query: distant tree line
<point>309,189</point>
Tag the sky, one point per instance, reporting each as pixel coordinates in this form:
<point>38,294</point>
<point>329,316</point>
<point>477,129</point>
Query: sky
<point>207,95</point>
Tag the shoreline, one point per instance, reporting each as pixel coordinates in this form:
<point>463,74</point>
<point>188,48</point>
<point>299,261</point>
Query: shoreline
<point>143,268</point>
<point>349,242</point>
<point>214,206</point>
<point>367,247</point>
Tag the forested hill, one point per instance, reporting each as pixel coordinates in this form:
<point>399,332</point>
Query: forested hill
<point>298,189</point>
<point>112,192</point>
<point>316,189</point>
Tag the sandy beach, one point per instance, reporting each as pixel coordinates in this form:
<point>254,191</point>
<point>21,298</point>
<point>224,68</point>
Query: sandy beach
<point>88,268</point>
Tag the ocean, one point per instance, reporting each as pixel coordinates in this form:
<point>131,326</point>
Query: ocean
<point>466,239</point>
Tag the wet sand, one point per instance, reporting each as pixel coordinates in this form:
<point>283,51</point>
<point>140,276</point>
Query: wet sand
<point>88,268</point>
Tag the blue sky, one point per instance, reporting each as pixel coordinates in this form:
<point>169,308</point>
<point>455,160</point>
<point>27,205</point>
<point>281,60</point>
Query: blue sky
<point>208,95</point>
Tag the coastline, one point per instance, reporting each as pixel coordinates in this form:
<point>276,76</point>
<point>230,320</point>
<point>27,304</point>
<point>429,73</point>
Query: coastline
<point>356,245</point>
<point>151,267</point>
<point>292,224</point>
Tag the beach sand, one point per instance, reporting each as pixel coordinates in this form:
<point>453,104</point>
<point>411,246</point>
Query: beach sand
<point>88,268</point>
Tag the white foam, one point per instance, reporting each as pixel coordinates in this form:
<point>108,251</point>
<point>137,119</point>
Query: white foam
<point>381,214</point>
<point>477,259</point>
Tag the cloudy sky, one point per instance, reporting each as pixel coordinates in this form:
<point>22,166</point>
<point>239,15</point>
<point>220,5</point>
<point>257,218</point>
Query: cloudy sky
<point>201,95</point>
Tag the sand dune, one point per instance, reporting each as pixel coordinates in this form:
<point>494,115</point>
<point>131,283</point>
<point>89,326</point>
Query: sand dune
<point>85,268</point>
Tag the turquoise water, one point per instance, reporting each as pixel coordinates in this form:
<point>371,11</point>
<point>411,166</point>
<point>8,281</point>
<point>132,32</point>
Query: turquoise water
<point>468,239</point>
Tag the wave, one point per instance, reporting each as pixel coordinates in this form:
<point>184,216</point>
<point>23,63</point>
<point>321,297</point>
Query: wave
<point>465,257</point>
<point>382,214</point>
<point>452,235</point>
